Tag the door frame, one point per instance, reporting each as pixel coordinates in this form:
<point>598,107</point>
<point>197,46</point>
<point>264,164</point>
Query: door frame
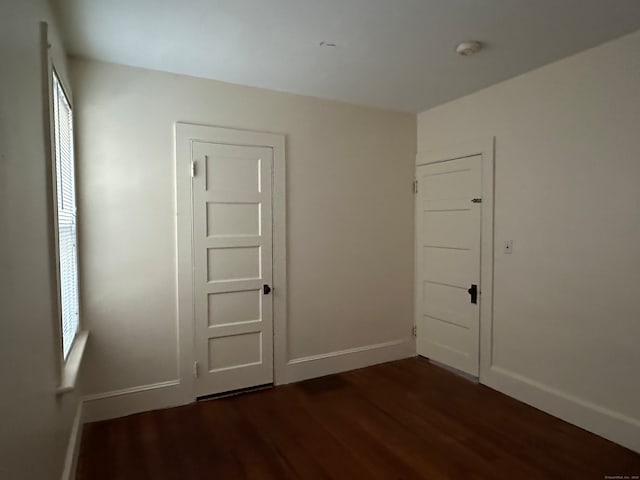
<point>184,134</point>
<point>486,149</point>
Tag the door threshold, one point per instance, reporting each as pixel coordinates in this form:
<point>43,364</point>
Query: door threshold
<point>233,393</point>
<point>455,371</point>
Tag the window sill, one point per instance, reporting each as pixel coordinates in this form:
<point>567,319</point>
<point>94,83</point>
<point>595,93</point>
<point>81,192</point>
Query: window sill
<point>72,365</point>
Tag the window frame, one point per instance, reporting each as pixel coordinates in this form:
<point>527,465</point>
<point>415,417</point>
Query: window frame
<point>55,107</point>
<point>68,367</point>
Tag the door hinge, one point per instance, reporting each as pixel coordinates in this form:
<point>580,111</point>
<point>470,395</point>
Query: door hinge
<point>414,331</point>
<point>193,168</point>
<point>195,369</point>
<point>415,186</point>
<point>476,200</point>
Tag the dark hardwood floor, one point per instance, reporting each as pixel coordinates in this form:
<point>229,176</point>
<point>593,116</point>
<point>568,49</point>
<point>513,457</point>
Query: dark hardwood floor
<point>401,420</point>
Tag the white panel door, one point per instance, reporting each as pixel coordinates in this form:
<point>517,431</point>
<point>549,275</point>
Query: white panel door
<point>232,254</point>
<point>448,262</point>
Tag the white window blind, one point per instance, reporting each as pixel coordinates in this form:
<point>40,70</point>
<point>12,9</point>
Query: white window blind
<point>66,199</point>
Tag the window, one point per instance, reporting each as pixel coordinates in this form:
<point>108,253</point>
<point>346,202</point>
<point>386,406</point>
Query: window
<point>66,215</point>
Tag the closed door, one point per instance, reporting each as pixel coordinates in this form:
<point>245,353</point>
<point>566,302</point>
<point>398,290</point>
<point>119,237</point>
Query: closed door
<point>448,223</point>
<point>232,271</point>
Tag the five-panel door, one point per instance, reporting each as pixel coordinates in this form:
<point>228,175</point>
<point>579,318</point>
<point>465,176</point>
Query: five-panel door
<point>232,266</point>
<point>448,225</point>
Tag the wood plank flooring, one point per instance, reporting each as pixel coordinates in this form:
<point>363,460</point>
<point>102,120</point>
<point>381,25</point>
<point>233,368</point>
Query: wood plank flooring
<point>408,419</point>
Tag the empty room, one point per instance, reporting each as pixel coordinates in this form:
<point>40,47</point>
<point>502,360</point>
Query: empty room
<point>338,239</point>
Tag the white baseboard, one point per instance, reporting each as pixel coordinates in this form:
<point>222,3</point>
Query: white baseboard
<point>343,360</point>
<point>128,401</point>
<point>602,421</point>
<point>120,403</point>
<point>73,448</point>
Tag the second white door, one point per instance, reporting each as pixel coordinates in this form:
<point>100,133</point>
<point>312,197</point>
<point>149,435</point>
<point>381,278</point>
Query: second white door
<point>448,221</point>
<point>232,266</point>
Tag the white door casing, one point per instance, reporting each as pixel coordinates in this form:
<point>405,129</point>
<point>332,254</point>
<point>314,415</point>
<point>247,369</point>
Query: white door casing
<point>483,148</point>
<point>232,264</point>
<point>448,261</point>
<point>230,242</point>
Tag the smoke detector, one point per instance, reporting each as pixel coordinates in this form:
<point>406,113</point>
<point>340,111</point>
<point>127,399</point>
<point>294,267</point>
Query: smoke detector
<point>468,48</point>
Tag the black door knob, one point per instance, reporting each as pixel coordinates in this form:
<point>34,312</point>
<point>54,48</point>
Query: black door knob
<point>266,289</point>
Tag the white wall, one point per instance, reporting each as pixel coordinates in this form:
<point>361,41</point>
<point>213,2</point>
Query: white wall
<point>35,425</point>
<point>349,213</point>
<point>567,192</point>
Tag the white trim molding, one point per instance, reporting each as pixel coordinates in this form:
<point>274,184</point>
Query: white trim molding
<point>595,418</point>
<point>185,133</point>
<point>343,360</point>
<point>485,147</point>
<point>71,367</point>
<point>119,403</point>
<point>73,447</point>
